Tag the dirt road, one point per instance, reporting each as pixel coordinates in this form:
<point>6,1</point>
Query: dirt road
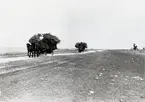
<point>108,76</point>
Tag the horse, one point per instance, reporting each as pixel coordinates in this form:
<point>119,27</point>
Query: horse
<point>32,51</point>
<point>29,50</point>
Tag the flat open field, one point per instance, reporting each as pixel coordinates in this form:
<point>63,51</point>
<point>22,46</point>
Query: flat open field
<point>98,76</point>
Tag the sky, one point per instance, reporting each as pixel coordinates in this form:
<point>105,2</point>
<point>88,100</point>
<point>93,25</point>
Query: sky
<point>102,24</point>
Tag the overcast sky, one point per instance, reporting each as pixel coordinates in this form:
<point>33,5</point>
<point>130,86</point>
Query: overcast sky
<point>100,23</point>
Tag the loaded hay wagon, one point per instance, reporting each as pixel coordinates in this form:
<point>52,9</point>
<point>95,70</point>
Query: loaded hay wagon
<point>45,46</point>
<point>81,46</point>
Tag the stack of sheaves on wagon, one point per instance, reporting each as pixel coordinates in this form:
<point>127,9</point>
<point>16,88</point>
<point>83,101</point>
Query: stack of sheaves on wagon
<point>49,37</point>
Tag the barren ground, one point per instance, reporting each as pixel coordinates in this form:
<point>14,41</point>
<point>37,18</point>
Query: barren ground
<point>107,76</point>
